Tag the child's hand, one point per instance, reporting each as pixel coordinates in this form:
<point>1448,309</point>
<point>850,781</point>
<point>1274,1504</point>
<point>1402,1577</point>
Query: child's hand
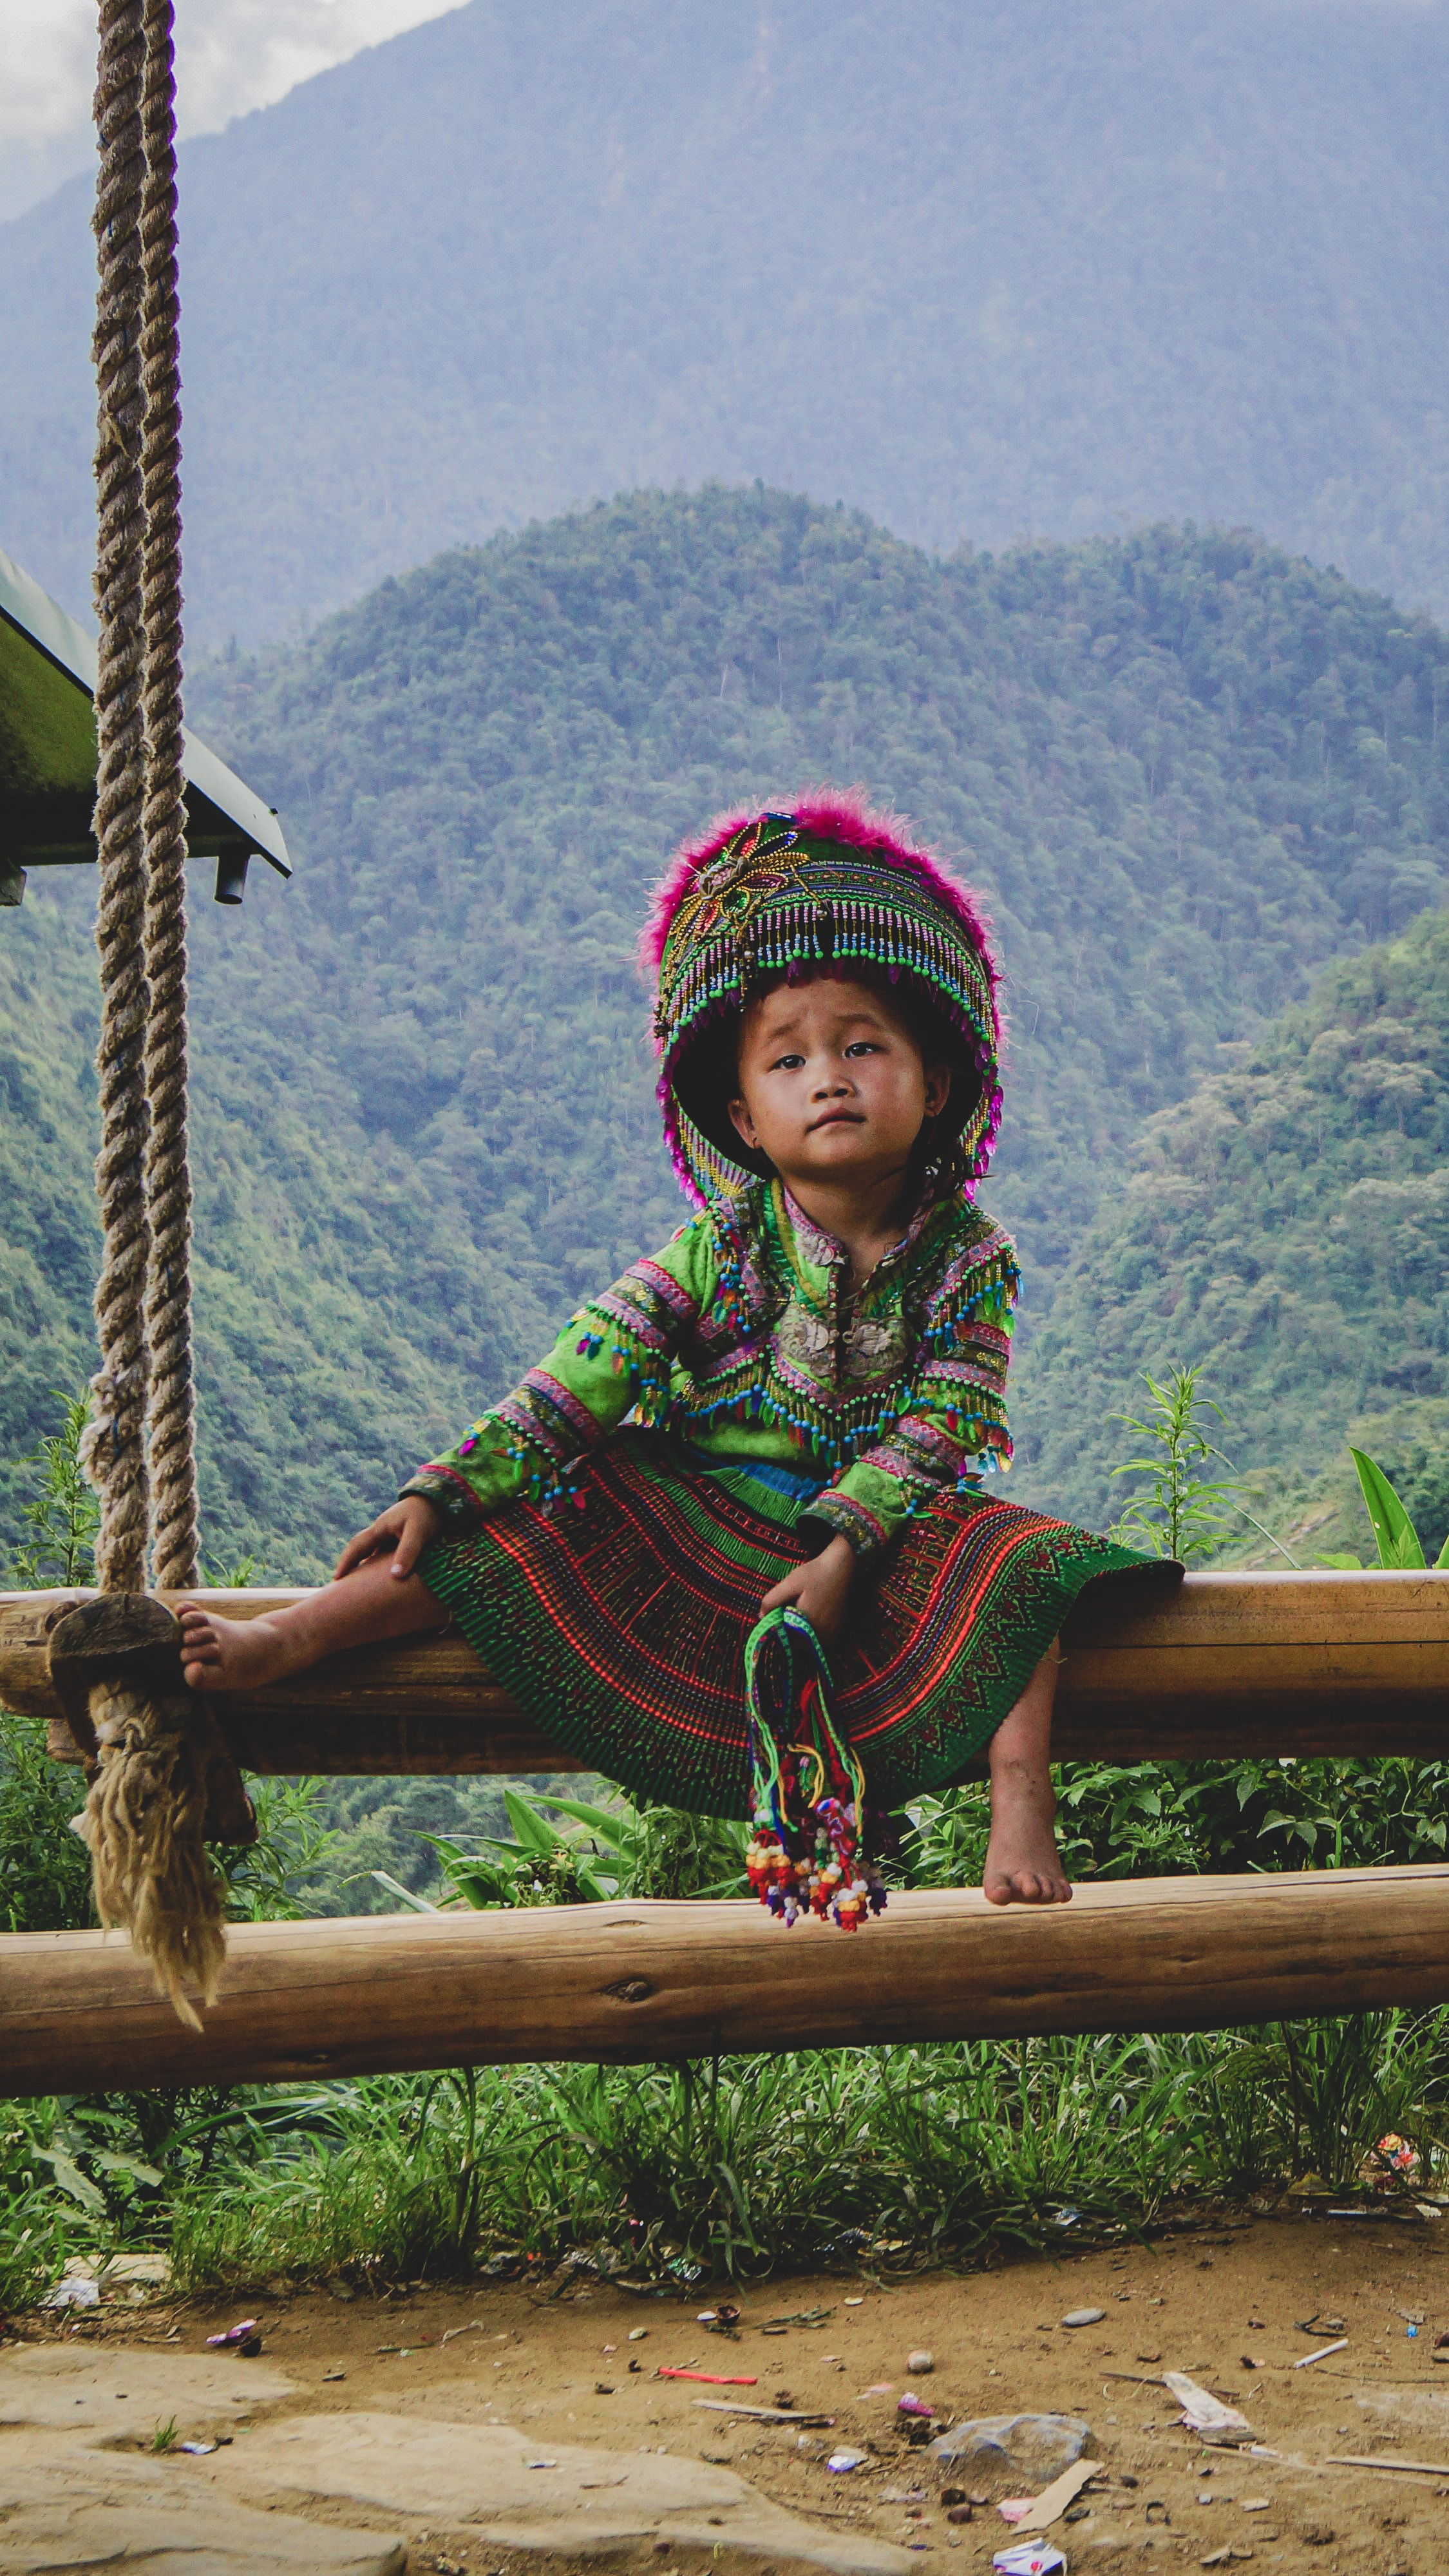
<point>404,1531</point>
<point>819,1590</point>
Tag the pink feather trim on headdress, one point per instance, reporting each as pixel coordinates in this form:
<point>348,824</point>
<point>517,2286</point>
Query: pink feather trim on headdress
<point>828,814</point>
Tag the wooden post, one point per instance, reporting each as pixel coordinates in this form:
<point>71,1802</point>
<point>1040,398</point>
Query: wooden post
<point>627,1982</point>
<point>1232,1664</point>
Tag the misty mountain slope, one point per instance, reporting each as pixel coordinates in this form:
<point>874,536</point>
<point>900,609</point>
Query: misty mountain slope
<point>1287,1228</point>
<point>314,1394</point>
<point>978,268</point>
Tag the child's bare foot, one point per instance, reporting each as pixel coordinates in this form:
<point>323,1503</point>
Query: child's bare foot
<point>1023,1865</point>
<point>230,1654</point>
<point>375,1600</point>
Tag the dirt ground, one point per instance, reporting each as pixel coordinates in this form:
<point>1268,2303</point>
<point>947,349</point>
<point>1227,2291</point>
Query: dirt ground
<point>559,2364</point>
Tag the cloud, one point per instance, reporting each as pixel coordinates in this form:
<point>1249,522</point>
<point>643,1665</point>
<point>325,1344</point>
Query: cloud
<point>231,55</point>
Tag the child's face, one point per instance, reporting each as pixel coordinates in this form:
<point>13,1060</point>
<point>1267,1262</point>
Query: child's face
<point>832,1085</point>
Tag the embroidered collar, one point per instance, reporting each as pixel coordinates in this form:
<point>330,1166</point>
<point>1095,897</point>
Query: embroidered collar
<point>825,1252</point>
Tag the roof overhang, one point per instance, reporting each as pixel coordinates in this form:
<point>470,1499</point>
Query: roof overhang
<point>48,757</point>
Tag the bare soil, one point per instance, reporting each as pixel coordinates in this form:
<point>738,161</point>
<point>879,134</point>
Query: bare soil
<point>1232,2306</point>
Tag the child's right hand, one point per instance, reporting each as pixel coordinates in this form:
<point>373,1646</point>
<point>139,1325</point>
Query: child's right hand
<point>404,1530</point>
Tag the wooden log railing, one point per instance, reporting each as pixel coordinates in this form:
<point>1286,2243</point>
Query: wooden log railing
<point>1230,1664</point>
<point>627,1982</point>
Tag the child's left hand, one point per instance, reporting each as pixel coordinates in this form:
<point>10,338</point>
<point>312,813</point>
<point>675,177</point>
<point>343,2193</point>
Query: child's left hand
<point>819,1590</point>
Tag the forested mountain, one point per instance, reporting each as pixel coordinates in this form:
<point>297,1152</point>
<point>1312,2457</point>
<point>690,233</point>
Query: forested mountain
<point>980,267</point>
<point>1186,770</point>
<point>1286,1226</point>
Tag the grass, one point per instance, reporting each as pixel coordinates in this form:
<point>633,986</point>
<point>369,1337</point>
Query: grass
<point>883,2158</point>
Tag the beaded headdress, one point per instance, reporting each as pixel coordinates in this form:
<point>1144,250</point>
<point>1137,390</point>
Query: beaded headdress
<point>828,887</point>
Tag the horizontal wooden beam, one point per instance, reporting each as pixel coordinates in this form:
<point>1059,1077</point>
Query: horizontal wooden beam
<point>617,1984</point>
<point>1231,1664</point>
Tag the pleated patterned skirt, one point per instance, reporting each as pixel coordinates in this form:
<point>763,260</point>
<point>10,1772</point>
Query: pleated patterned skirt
<point>617,1620</point>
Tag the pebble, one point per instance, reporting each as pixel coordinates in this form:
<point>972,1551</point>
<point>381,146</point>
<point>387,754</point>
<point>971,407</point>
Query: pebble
<point>1084,2316</point>
<point>920,2362</point>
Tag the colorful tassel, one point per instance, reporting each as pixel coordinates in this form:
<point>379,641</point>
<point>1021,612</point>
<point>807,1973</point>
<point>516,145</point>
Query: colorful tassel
<point>807,1802</point>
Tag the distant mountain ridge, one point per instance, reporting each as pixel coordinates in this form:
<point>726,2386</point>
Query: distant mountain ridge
<point>981,267</point>
<point>1286,1228</point>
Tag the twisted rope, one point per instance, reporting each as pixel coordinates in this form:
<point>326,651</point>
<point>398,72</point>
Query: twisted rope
<point>113,1453</point>
<point>145,1814</point>
<point>171,1410</point>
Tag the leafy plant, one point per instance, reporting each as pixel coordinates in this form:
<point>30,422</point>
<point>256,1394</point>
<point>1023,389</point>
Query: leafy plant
<point>45,1869</point>
<point>1399,1544</point>
<point>267,1880</point>
<point>625,1850</point>
<point>64,1515</point>
<point>1180,1511</point>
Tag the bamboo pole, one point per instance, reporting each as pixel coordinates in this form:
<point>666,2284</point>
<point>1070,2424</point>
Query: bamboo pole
<point>628,1982</point>
<point>1231,1664</point>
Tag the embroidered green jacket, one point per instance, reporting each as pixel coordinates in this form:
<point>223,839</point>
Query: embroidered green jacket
<point>745,1342</point>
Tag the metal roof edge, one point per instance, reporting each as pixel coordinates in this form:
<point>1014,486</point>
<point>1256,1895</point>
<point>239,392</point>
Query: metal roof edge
<point>73,651</point>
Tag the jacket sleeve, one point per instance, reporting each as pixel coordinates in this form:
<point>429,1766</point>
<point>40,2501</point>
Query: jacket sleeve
<point>955,1417</point>
<point>612,1359</point>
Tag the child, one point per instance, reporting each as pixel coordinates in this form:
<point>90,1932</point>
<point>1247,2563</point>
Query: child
<point>787,1408</point>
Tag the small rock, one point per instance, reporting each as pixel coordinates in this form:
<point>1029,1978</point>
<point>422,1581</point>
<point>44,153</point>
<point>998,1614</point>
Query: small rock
<point>1149,2356</point>
<point>1317,2535</point>
<point>1084,2316</point>
<point>603,2388</point>
<point>958,2513</point>
<point>920,2363</point>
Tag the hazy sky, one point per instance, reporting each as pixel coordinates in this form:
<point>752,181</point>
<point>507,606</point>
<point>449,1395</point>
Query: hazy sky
<point>231,55</point>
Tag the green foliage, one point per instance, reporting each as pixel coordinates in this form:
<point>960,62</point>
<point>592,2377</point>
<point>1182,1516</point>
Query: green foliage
<point>726,2169</point>
<point>1179,1511</point>
<point>887,2156</point>
<point>622,1850</point>
<point>62,1518</point>
<point>270,1880</point>
<point>1169,1819</point>
<point>1046,267</point>
<point>1289,1217</point>
<point>1399,1543</point>
<point>45,1868</point>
